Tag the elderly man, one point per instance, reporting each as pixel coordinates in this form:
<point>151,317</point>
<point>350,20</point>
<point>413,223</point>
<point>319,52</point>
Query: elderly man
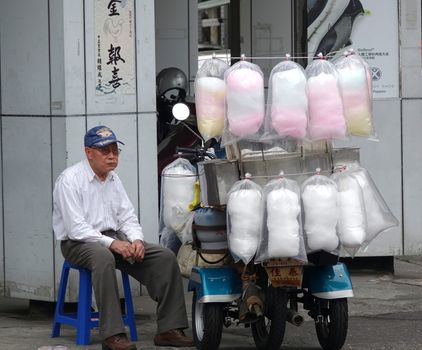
<point>98,229</point>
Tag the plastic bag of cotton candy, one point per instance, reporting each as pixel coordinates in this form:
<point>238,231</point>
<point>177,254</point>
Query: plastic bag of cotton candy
<point>245,102</point>
<point>351,227</point>
<point>245,202</point>
<point>378,214</point>
<point>321,213</point>
<point>287,105</point>
<point>326,116</point>
<point>357,95</point>
<point>177,192</point>
<point>210,94</point>
<point>282,233</point>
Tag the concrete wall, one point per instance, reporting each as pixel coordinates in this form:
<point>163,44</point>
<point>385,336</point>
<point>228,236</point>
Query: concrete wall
<point>48,102</point>
<point>411,108</point>
<point>26,150</point>
<point>176,36</point>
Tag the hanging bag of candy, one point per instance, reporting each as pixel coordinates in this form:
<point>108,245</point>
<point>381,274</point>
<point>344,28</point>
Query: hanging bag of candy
<point>351,228</point>
<point>357,99</point>
<point>287,106</point>
<point>326,115</point>
<point>245,102</point>
<point>320,206</point>
<point>282,232</point>
<point>244,219</point>
<point>210,94</point>
<point>177,193</point>
<point>379,216</point>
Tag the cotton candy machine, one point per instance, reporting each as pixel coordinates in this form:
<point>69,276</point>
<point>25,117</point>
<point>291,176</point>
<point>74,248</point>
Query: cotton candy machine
<point>218,176</point>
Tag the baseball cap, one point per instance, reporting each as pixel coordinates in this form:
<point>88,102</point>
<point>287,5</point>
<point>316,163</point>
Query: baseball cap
<point>100,136</point>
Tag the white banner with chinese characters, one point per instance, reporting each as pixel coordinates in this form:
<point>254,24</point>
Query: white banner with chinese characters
<point>115,47</point>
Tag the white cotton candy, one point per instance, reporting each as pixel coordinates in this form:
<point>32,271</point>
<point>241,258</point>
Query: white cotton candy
<point>321,216</point>
<point>378,218</point>
<point>289,88</point>
<point>352,221</point>
<point>178,193</point>
<point>244,208</point>
<point>378,215</point>
<point>283,209</point>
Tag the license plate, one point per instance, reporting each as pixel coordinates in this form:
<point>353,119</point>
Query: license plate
<point>283,262</point>
<point>290,276</point>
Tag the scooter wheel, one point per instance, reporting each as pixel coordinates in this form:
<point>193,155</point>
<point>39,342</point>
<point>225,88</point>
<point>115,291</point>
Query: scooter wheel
<point>268,332</point>
<point>332,323</point>
<point>207,324</point>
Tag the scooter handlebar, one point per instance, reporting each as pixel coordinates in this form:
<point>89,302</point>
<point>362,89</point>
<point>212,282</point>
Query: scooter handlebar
<point>197,153</point>
<point>186,150</point>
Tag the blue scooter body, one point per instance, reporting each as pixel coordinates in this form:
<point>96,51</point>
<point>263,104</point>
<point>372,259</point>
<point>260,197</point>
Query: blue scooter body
<point>223,284</point>
<point>215,284</point>
<point>328,282</point>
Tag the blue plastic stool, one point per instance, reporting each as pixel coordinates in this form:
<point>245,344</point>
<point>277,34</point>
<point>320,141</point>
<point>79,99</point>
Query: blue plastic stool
<point>84,320</point>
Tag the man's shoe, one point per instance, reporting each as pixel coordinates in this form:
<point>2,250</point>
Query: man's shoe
<point>174,337</point>
<point>118,342</point>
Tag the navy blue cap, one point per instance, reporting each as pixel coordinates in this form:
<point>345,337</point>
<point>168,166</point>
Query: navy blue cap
<point>100,136</point>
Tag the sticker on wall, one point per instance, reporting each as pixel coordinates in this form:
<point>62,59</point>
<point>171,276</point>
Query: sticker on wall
<point>115,47</point>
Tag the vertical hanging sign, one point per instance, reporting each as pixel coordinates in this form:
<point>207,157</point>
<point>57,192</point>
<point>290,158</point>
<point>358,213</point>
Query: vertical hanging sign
<point>115,47</point>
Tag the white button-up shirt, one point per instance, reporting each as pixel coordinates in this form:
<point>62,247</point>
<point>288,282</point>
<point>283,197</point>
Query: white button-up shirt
<point>84,206</point>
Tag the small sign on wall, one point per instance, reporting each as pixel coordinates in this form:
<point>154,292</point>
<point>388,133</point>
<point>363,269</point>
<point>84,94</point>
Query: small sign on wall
<point>115,47</point>
<point>376,40</point>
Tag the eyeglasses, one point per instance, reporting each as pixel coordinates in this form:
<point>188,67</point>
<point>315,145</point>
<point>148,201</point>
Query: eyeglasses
<point>105,151</point>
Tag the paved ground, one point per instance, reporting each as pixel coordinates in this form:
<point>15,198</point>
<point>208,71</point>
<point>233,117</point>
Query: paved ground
<point>386,313</point>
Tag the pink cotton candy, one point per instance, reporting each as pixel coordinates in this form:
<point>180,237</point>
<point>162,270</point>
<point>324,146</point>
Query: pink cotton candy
<point>326,116</point>
<point>246,125</point>
<point>290,121</point>
<point>245,101</point>
<point>289,101</point>
<point>244,79</point>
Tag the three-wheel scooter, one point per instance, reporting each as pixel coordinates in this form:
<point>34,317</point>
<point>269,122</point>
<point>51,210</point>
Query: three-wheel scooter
<point>264,296</point>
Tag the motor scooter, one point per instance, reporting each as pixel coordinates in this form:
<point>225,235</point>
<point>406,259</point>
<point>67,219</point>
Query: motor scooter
<point>264,296</point>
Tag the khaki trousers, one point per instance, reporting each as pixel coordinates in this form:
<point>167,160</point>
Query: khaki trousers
<point>159,272</point>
